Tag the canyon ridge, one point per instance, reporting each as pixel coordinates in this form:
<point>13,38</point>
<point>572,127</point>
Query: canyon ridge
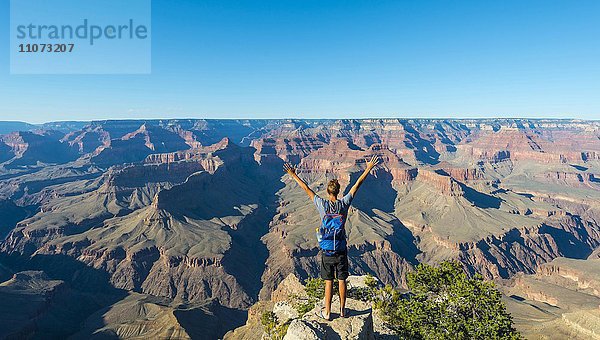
<point>175,228</point>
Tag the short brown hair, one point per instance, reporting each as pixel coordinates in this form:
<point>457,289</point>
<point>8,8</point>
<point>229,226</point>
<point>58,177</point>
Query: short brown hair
<point>333,187</point>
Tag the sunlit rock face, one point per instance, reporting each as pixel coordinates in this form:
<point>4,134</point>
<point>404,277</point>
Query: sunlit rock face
<point>199,212</point>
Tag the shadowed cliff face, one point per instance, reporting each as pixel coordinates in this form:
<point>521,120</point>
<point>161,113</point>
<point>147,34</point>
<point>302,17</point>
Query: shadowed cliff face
<point>194,218</point>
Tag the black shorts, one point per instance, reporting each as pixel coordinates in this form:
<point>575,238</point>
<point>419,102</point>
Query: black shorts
<point>335,266</point>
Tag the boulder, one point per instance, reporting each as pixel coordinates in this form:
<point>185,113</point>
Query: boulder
<point>301,329</point>
<point>358,325</point>
<point>285,311</point>
<point>358,281</point>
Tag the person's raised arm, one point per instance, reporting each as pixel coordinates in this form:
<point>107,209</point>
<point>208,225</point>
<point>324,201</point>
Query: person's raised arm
<point>287,167</point>
<point>370,165</point>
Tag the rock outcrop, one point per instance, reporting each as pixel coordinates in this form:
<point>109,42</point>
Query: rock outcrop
<point>300,329</point>
<point>358,324</point>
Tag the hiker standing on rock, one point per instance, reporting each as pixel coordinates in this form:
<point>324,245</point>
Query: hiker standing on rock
<point>332,233</point>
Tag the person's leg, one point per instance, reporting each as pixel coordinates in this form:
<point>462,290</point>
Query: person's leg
<point>342,284</point>
<point>342,275</point>
<point>327,272</point>
<point>328,297</point>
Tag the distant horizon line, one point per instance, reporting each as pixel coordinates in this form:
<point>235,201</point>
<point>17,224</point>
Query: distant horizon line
<point>303,119</point>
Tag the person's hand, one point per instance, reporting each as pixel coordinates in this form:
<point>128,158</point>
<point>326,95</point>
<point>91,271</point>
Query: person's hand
<point>373,162</point>
<point>287,167</point>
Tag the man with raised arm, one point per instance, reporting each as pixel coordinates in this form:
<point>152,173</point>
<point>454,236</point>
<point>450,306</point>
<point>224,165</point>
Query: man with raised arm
<point>332,234</point>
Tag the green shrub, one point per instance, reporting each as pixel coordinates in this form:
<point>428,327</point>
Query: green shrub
<point>370,281</point>
<point>269,322</point>
<point>303,307</point>
<point>282,330</point>
<point>365,294</point>
<point>271,326</point>
<point>445,304</point>
<point>315,291</point>
<point>315,288</point>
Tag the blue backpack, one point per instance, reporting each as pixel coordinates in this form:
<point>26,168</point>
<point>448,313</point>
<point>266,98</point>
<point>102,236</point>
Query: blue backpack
<point>332,234</point>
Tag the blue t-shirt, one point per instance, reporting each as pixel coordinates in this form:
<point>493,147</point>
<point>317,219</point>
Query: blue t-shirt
<point>325,206</point>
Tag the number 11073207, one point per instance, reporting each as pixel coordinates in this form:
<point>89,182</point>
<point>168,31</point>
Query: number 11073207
<point>46,48</point>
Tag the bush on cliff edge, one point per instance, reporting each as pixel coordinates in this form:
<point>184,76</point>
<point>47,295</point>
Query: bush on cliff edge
<point>444,303</point>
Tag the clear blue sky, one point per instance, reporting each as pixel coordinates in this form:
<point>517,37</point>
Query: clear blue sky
<point>330,59</point>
